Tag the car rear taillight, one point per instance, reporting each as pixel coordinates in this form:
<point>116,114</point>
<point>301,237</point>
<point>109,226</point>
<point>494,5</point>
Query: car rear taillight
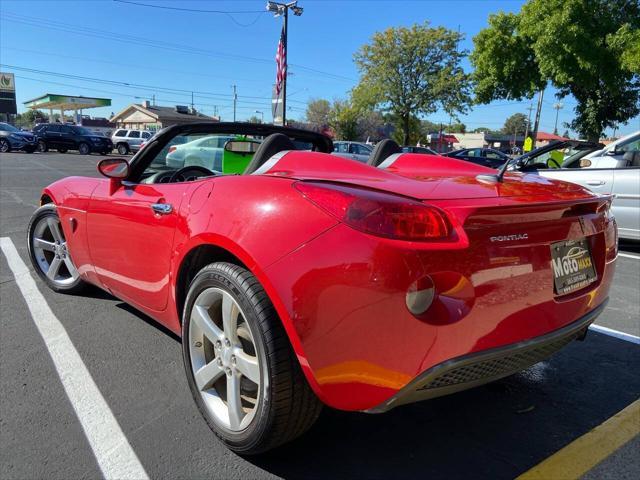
<point>172,149</point>
<point>378,213</point>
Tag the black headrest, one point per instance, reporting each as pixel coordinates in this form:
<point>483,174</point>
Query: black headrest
<point>383,150</point>
<point>274,143</point>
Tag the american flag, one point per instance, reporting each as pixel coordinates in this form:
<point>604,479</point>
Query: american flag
<point>281,64</point>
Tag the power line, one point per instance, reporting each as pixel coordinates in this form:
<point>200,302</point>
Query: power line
<point>200,94</point>
<point>227,13</point>
<point>230,12</point>
<point>128,39</point>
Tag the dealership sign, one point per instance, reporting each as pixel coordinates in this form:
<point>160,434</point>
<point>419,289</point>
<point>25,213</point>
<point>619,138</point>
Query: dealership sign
<point>7,93</point>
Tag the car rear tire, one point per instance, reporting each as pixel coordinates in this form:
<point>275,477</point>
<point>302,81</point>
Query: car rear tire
<point>123,149</point>
<point>84,149</point>
<point>48,252</point>
<point>5,147</point>
<point>42,146</point>
<point>234,341</point>
<point>62,150</point>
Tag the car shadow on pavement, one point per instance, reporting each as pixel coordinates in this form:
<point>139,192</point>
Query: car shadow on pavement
<point>499,430</point>
<point>148,320</point>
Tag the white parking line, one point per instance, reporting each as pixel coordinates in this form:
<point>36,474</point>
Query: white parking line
<point>114,455</point>
<point>626,255</point>
<point>615,333</point>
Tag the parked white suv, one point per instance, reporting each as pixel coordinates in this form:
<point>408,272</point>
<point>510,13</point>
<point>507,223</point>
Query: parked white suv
<point>126,141</point>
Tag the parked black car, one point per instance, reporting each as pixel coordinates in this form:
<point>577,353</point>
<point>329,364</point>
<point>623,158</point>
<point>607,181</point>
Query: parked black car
<point>486,157</point>
<point>12,138</point>
<point>71,137</point>
<point>426,150</point>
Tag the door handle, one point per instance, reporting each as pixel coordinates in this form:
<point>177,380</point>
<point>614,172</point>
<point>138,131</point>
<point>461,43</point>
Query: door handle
<point>596,183</point>
<point>162,208</point>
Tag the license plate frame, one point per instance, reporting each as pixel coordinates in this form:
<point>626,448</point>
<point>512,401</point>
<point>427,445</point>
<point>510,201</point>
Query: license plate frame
<point>572,266</point>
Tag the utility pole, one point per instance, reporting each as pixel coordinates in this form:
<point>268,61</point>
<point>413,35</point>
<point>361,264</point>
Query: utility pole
<point>192,102</point>
<point>153,99</point>
<point>538,111</point>
<point>526,132</point>
<point>235,101</point>
<point>282,9</point>
<point>557,106</point>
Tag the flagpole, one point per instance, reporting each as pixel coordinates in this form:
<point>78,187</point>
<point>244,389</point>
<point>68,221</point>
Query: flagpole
<point>286,56</point>
<point>283,9</point>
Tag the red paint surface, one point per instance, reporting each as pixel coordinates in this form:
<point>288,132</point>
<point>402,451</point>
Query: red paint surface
<point>340,292</point>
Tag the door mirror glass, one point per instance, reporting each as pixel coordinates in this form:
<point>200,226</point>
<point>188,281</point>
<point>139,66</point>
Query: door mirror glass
<point>114,167</point>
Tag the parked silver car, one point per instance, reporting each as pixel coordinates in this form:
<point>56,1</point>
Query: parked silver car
<point>353,150</point>
<point>614,169</point>
<point>127,141</point>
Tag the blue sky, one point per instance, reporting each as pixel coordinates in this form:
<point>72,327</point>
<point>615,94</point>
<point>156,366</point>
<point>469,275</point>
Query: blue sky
<point>171,53</point>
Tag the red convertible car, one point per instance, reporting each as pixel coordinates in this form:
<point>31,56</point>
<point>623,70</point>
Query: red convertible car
<point>312,279</point>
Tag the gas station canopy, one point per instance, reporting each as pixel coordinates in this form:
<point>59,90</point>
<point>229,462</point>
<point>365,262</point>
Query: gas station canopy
<point>64,102</point>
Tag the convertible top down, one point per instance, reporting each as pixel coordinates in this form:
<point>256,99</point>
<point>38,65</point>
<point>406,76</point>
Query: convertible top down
<point>313,279</point>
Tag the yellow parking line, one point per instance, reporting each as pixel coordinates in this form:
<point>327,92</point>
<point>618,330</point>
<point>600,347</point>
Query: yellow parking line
<point>581,455</point>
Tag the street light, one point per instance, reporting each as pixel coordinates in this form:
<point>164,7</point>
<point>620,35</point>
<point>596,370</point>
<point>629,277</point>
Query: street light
<point>282,9</point>
<point>261,115</point>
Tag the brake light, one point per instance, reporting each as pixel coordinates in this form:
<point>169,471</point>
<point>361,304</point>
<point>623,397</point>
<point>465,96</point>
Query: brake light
<point>378,213</point>
<point>172,148</point>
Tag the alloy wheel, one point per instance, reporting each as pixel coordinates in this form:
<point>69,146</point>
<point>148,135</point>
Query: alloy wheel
<point>224,361</point>
<point>4,146</point>
<point>51,253</point>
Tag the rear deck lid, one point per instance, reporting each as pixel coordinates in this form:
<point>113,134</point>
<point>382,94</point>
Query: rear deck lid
<point>424,177</point>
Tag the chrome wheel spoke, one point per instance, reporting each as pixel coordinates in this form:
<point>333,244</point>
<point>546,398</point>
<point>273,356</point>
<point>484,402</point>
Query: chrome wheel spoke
<point>234,401</point>
<point>201,317</point>
<point>54,227</point>
<point>206,376</point>
<point>54,267</point>
<point>221,345</point>
<point>248,366</point>
<point>230,314</point>
<point>44,245</point>
<point>70,266</point>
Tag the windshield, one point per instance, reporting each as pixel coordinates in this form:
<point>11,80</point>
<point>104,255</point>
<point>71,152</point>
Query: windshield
<point>82,131</point>
<point>5,127</point>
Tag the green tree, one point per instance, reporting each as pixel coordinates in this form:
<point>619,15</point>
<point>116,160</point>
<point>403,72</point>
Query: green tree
<point>412,71</point>
<point>318,112</point>
<point>457,128</point>
<point>29,118</point>
<point>516,123</point>
<point>343,118</point>
<point>254,119</point>
<point>583,48</point>
<point>627,41</point>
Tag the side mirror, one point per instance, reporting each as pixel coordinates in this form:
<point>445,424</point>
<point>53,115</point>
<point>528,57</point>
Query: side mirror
<point>114,168</point>
<point>585,163</point>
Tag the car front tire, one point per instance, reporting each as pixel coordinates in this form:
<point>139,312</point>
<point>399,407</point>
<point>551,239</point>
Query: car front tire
<point>241,368</point>
<point>5,147</point>
<point>48,252</point>
<point>42,146</point>
<point>84,149</point>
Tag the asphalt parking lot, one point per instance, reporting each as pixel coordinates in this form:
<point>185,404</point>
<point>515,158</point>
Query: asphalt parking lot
<point>497,431</point>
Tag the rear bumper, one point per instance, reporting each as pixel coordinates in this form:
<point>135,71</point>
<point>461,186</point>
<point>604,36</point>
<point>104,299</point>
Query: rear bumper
<point>476,369</point>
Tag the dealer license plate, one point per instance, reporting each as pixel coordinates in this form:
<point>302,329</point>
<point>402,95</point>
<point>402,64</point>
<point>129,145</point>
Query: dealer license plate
<point>572,266</point>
